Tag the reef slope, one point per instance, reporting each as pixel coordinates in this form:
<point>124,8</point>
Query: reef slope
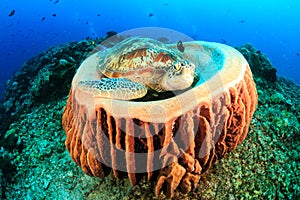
<point>36,165</point>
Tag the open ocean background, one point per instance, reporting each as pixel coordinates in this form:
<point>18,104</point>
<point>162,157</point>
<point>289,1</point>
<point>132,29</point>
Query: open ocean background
<point>31,26</point>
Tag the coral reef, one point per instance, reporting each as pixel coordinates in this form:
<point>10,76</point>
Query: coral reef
<point>265,166</point>
<point>38,81</point>
<point>260,64</point>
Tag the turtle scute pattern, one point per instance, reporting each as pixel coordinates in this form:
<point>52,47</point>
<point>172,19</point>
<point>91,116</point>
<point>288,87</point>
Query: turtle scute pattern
<point>136,53</point>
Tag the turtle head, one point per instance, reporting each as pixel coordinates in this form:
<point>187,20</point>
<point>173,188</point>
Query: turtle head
<point>179,76</point>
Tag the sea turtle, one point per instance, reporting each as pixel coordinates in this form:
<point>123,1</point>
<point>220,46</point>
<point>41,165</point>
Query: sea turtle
<point>136,64</point>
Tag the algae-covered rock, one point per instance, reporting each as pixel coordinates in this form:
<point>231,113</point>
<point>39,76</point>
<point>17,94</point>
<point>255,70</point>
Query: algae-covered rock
<point>260,65</point>
<point>46,77</point>
<point>2,182</point>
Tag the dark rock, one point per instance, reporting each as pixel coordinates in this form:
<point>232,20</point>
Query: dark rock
<point>111,33</point>
<point>259,63</point>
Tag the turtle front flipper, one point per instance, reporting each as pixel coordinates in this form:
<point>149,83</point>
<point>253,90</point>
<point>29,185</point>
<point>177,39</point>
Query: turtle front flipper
<point>114,88</point>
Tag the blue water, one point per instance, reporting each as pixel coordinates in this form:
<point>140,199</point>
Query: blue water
<point>272,26</point>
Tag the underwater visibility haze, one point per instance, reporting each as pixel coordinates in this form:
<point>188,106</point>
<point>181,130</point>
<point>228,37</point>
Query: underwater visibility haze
<point>31,26</point>
<point>223,129</point>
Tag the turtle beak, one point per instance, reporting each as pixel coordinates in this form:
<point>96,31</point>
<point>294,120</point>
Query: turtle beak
<point>189,80</point>
<point>189,75</point>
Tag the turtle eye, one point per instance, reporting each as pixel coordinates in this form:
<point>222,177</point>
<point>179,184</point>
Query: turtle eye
<point>177,67</point>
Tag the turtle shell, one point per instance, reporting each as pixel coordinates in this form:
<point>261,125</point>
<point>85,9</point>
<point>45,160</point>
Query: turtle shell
<point>137,58</point>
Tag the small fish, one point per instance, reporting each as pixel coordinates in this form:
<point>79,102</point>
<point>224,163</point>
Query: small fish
<point>55,2</point>
<point>180,46</point>
<point>150,14</point>
<point>43,18</point>
<point>242,21</point>
<point>54,15</point>
<point>110,33</point>
<point>223,41</point>
<point>297,54</point>
<point>12,13</point>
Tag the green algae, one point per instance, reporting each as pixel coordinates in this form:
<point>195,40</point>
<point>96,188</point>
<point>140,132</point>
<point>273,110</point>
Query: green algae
<point>265,166</point>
